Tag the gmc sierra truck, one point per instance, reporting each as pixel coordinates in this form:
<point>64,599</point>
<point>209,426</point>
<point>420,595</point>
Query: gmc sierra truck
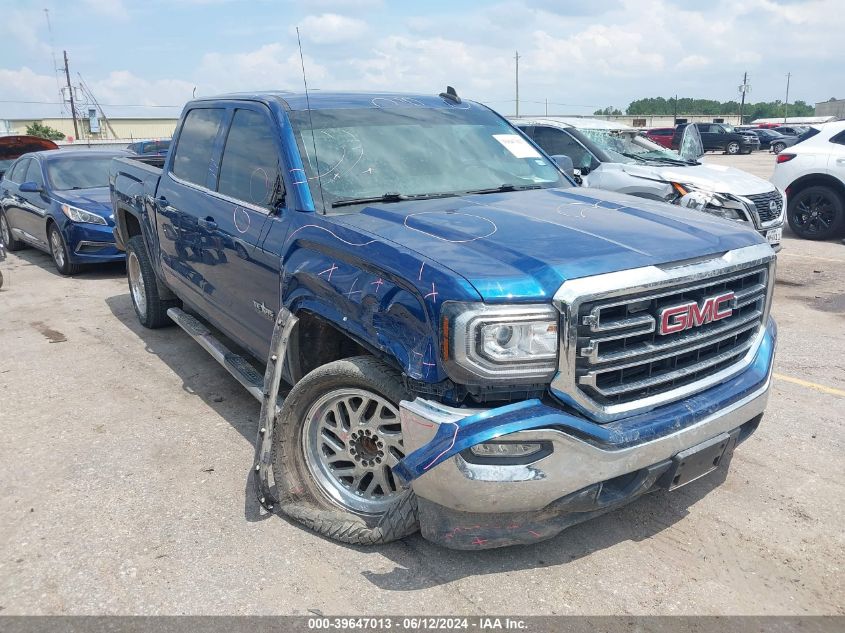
<point>444,332</point>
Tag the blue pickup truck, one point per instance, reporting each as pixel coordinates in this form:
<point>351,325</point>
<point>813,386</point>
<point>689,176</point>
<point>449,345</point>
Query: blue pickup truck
<point>445,333</point>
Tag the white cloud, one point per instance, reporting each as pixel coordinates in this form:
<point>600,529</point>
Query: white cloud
<point>692,62</point>
<point>331,28</point>
<point>270,67</point>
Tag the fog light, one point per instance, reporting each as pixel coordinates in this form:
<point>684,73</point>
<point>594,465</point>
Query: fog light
<point>506,449</point>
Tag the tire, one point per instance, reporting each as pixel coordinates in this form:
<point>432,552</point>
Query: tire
<point>59,252</point>
<point>320,427</point>
<point>817,213</point>
<point>732,148</point>
<point>777,148</point>
<point>150,308</point>
<point>6,236</point>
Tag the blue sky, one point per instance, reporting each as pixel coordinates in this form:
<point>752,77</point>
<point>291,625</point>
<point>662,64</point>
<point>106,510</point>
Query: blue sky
<point>577,55</point>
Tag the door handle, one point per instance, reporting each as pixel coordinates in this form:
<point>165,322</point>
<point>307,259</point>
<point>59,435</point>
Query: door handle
<point>208,223</point>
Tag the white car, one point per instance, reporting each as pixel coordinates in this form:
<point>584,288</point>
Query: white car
<point>616,157</point>
<point>813,175</point>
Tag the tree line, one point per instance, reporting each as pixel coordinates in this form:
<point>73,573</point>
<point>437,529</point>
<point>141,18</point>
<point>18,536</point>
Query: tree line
<point>760,110</point>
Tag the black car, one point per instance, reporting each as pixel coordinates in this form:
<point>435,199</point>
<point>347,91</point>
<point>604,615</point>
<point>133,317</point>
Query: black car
<point>719,137</point>
<point>775,141</point>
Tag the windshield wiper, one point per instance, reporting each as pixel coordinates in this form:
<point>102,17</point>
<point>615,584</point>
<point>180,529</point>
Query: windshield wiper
<point>390,197</point>
<point>385,197</point>
<point>504,188</point>
<point>638,157</point>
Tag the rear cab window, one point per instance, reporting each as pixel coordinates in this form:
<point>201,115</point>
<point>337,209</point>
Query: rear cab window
<point>194,152</point>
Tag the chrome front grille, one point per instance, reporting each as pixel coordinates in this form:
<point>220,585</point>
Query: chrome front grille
<point>622,357</point>
<point>763,204</point>
<point>614,360</point>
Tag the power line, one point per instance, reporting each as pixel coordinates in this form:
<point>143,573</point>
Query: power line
<point>108,105</point>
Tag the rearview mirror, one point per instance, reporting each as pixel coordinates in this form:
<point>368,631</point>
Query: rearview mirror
<point>29,187</point>
<point>565,163</point>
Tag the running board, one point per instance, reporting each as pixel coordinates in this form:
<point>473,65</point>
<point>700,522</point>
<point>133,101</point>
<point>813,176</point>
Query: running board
<point>240,368</point>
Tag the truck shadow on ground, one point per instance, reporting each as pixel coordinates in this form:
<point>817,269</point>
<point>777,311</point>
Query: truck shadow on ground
<point>421,564</point>
<point>41,259</point>
<point>203,378</point>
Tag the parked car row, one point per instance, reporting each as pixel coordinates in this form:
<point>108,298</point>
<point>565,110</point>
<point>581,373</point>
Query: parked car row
<point>734,140</point>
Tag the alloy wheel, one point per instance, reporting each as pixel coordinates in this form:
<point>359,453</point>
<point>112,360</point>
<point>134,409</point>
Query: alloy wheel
<point>136,283</point>
<point>350,440</point>
<point>57,248</point>
<point>815,214</point>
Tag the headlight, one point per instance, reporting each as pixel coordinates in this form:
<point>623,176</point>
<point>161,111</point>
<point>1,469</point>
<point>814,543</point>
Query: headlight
<point>79,215</point>
<point>707,201</point>
<point>516,344</point>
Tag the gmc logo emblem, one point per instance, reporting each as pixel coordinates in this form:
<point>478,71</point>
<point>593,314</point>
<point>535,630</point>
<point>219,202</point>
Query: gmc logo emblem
<point>689,315</point>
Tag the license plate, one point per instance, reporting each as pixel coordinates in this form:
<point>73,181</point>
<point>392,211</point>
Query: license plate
<point>773,236</point>
<point>700,460</point>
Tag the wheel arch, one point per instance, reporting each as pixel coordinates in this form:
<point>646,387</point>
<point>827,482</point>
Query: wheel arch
<point>815,180</point>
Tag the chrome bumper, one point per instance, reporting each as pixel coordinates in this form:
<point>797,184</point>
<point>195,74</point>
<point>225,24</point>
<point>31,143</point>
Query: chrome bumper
<point>573,464</point>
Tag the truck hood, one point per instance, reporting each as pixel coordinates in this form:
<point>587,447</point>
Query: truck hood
<point>715,178</point>
<point>524,245</point>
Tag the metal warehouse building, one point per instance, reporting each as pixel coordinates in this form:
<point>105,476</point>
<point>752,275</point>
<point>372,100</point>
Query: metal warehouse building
<point>120,128</point>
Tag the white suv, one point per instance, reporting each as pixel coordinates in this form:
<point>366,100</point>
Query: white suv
<point>813,175</point>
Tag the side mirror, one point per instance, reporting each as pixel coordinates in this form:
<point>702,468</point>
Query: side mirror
<point>30,187</point>
<point>565,164</point>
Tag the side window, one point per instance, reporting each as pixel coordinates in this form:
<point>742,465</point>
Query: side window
<point>33,173</point>
<point>195,148</point>
<point>249,170</point>
<point>19,170</point>
<point>555,141</point>
<point>839,139</point>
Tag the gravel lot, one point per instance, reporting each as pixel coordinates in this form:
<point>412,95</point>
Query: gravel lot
<point>125,456</point>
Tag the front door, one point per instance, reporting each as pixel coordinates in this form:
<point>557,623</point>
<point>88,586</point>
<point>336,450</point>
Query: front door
<point>34,205</point>
<point>249,194</point>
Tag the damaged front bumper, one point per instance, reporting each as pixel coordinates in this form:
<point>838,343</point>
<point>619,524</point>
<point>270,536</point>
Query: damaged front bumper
<point>585,469</point>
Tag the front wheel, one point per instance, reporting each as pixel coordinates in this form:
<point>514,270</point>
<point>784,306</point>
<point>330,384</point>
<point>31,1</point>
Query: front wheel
<point>777,148</point>
<point>58,249</point>
<point>337,437</point>
<point>816,213</point>
<point>732,148</point>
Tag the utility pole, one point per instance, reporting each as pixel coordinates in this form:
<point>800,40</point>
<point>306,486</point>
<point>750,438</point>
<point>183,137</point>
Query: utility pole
<point>675,114</point>
<point>516,57</point>
<point>786,105</point>
<point>743,89</point>
<point>70,94</point>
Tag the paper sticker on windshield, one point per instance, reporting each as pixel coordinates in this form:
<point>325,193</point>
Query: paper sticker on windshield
<point>517,145</point>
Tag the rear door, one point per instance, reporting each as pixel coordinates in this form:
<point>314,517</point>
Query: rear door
<point>710,136</point>
<point>189,246</point>
<point>12,202</point>
<point>836,159</point>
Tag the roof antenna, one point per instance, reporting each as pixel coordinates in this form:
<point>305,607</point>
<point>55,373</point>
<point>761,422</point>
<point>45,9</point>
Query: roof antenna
<point>450,94</point>
<point>310,122</point>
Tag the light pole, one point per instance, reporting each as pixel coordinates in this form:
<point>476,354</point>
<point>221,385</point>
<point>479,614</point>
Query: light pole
<point>744,88</point>
<point>516,57</point>
<point>786,105</point>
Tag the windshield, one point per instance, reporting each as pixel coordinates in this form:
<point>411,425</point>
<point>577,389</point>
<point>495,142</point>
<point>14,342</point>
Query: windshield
<point>79,172</point>
<point>393,153</point>
<point>627,146</point>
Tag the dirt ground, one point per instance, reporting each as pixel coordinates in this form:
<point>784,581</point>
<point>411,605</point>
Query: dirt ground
<point>125,456</point>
